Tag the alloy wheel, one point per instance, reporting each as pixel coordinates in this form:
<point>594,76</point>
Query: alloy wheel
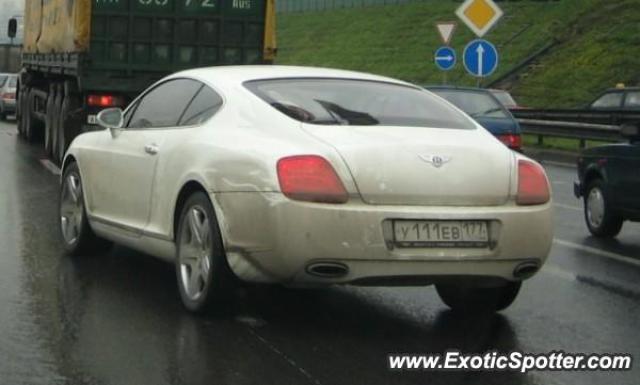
<point>195,253</point>
<point>71,208</point>
<point>595,207</point>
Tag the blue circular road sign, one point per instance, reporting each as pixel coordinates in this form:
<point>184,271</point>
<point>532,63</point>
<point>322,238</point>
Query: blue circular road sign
<point>445,58</point>
<point>480,58</point>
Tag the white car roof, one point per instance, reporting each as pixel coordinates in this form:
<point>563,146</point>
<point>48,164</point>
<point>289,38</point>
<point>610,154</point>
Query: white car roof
<point>242,73</point>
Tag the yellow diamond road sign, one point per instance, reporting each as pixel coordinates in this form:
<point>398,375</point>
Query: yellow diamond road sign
<point>479,15</point>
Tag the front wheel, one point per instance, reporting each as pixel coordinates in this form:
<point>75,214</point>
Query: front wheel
<point>74,226</point>
<point>598,213</point>
<point>201,265</point>
<point>471,299</point>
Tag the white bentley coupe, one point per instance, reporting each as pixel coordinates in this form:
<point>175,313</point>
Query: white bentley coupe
<point>308,176</point>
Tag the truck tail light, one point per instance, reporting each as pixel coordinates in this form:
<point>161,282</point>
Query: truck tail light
<point>513,141</point>
<point>104,101</point>
<point>310,178</point>
<point>533,186</point>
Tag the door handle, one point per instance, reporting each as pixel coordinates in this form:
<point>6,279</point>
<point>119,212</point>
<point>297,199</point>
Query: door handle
<point>151,149</point>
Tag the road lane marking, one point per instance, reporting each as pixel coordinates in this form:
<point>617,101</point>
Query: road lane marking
<point>46,163</point>
<point>570,207</point>
<point>593,250</point>
<point>558,272</point>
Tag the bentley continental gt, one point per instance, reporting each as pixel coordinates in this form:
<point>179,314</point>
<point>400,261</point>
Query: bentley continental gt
<point>308,177</point>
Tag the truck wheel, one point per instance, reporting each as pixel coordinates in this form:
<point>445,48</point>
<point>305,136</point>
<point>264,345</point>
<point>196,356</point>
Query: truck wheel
<point>69,126</point>
<point>601,220</point>
<point>55,128</point>
<point>48,124</point>
<point>75,229</point>
<point>33,125</point>
<point>469,299</point>
<point>25,113</point>
<point>20,111</point>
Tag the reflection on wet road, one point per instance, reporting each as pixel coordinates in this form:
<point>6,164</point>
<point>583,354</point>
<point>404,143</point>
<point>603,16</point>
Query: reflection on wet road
<point>117,318</point>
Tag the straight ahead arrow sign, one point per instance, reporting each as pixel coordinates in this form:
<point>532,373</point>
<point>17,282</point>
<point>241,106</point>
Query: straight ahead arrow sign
<point>480,52</point>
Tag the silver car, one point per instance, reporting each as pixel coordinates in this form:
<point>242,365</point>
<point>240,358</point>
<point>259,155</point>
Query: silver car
<point>8,84</point>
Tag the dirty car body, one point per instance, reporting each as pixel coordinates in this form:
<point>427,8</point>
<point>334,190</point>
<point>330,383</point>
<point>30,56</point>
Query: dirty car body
<point>319,177</point>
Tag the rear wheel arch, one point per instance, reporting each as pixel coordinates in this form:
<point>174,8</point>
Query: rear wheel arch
<point>70,159</point>
<point>186,191</point>
<point>591,175</point>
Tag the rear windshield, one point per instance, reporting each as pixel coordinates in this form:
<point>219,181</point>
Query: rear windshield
<point>476,104</point>
<point>357,103</point>
<point>13,81</point>
<point>3,79</point>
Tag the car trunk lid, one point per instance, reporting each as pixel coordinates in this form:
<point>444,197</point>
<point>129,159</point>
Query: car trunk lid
<point>422,166</point>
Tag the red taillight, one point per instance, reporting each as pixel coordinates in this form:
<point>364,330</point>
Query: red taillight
<point>513,141</point>
<point>103,101</point>
<point>8,95</point>
<point>310,178</point>
<point>533,187</point>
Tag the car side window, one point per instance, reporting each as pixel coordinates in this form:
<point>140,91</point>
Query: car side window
<point>163,105</point>
<point>609,100</point>
<point>128,113</point>
<point>205,104</point>
<point>633,99</point>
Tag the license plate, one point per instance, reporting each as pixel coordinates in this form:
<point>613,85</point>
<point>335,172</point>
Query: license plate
<point>471,234</point>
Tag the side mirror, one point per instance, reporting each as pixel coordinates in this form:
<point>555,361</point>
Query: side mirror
<point>110,118</point>
<point>12,28</point>
<point>630,131</point>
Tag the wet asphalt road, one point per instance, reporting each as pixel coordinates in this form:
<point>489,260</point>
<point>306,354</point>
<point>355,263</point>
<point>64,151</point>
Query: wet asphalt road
<point>117,319</point>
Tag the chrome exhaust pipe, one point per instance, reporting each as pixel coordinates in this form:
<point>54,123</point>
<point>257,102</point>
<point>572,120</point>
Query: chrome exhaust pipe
<point>328,269</point>
<point>526,269</point>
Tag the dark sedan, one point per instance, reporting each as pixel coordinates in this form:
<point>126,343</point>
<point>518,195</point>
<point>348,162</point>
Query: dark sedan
<point>609,182</point>
<point>486,109</point>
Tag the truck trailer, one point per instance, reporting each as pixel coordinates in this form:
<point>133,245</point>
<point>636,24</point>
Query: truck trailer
<point>81,56</point>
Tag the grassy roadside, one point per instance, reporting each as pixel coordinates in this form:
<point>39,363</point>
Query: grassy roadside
<point>399,41</point>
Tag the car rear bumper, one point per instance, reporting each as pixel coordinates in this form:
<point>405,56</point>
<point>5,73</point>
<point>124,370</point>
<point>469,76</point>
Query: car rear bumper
<point>8,105</point>
<point>269,238</point>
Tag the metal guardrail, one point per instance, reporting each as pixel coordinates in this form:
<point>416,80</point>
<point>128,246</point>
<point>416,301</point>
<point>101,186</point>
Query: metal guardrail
<point>573,130</point>
<point>611,117</point>
<point>582,125</point>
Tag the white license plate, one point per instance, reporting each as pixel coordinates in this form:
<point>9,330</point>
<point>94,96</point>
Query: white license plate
<point>472,234</point>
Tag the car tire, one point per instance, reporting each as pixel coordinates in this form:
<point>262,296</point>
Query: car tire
<point>599,216</point>
<point>472,299</point>
<point>203,274</point>
<point>75,230</point>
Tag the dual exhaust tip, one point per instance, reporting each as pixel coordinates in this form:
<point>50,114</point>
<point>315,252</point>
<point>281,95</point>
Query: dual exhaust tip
<point>338,270</point>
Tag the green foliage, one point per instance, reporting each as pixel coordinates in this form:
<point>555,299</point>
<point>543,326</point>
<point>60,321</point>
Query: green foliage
<point>596,50</point>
